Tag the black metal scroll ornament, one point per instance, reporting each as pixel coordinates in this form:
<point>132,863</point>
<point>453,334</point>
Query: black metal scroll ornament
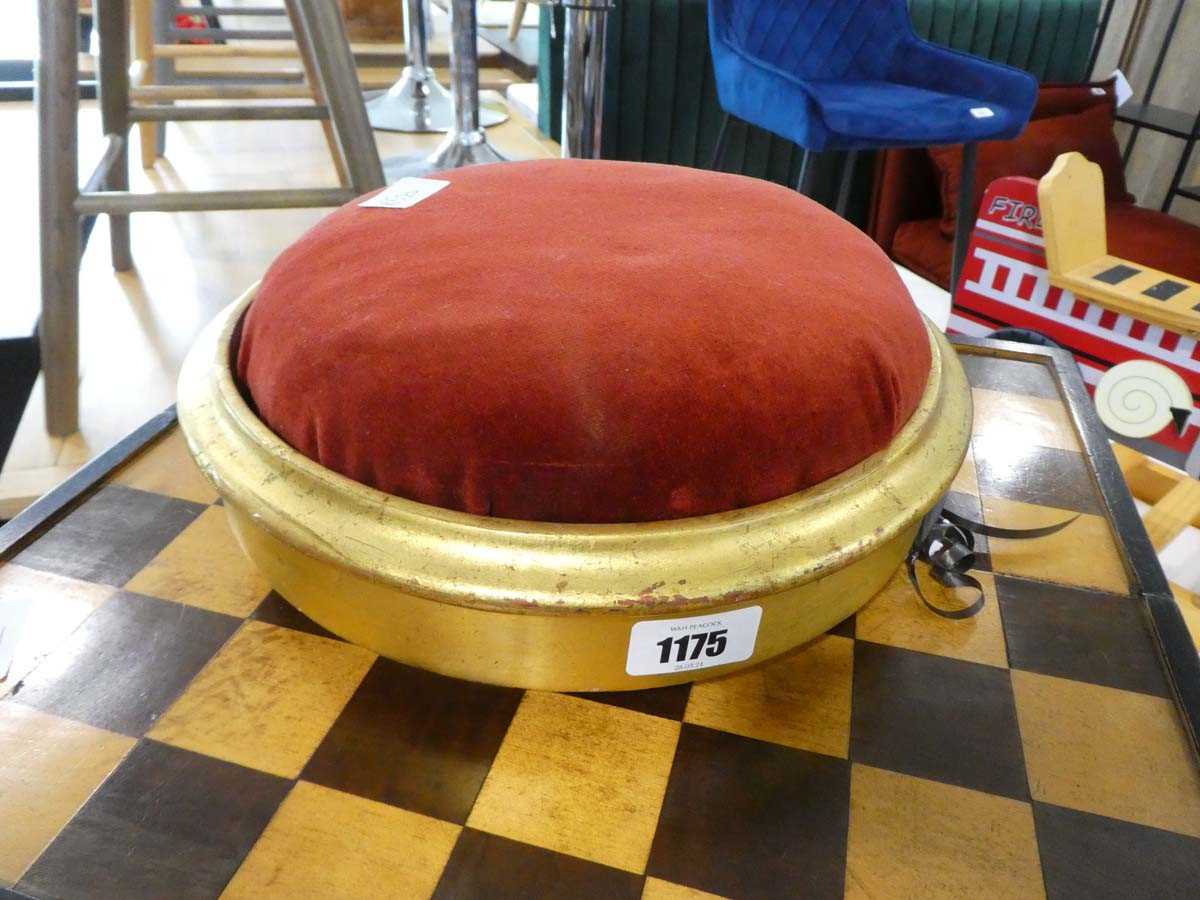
<point>946,543</point>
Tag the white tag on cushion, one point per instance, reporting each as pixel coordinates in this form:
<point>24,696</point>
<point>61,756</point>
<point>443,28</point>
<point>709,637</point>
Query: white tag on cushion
<point>982,112</point>
<point>406,192</point>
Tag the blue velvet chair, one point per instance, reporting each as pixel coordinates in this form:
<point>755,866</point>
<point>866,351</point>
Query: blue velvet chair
<point>852,75</point>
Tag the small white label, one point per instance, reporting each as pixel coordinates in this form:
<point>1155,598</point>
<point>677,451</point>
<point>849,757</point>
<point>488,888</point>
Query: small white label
<point>1098,92</point>
<point>406,192</point>
<point>661,646</point>
<point>1122,88</point>
<point>982,112</point>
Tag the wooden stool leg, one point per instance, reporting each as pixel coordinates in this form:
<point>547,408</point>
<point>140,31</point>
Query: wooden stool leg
<point>320,26</point>
<point>312,76</point>
<point>518,16</point>
<point>58,186</point>
<point>143,48</point>
<point>162,21</point>
<point>112,19</point>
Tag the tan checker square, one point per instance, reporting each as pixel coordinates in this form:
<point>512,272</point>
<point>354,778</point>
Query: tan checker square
<point>1106,751</point>
<point>48,767</point>
<point>910,837</point>
<point>1083,554</point>
<point>167,468</point>
<point>267,699</point>
<point>1022,419</point>
<point>1189,605</point>
<point>324,843</point>
<point>897,617</point>
<point>205,567</point>
<point>799,700</point>
<point>657,889</point>
<point>54,605</point>
<point>579,777</point>
<point>967,480</point>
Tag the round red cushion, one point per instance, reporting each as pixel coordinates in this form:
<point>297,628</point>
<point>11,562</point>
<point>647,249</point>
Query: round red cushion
<point>580,341</point>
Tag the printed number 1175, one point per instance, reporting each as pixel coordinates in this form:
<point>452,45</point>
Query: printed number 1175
<point>689,646</point>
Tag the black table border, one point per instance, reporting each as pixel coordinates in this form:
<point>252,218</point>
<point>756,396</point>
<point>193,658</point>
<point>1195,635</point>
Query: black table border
<point>1178,653</point>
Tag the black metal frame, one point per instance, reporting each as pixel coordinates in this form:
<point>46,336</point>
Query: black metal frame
<point>44,512</point>
<point>1181,662</point>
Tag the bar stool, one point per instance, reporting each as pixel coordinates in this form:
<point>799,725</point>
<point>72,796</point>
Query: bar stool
<point>417,102</point>
<point>467,143</point>
<point>320,35</point>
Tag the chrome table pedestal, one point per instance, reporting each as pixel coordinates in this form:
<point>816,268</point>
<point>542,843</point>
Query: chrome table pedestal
<point>583,77</point>
<point>466,144</point>
<point>418,103</point>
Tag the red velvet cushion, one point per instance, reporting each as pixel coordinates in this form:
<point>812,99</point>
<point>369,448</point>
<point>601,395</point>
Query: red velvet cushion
<point>921,247</point>
<point>1063,98</point>
<point>577,341</point>
<point>1032,154</point>
<point>1153,239</point>
<point>1144,236</point>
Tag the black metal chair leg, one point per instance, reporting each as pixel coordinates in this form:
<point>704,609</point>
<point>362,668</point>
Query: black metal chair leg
<point>722,142</point>
<point>843,198</point>
<point>808,172</point>
<point>965,219</point>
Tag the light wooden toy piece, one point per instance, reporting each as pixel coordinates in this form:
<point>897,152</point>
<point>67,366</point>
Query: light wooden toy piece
<point>1071,197</point>
<point>1174,504</point>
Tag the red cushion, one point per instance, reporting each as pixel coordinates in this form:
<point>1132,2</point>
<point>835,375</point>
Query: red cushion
<point>578,341</point>
<point>1144,236</point>
<point>1153,239</point>
<point>920,246</point>
<point>1063,98</point>
<point>1032,154</point>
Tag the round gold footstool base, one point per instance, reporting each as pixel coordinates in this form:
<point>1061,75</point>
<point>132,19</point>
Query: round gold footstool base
<point>567,607</point>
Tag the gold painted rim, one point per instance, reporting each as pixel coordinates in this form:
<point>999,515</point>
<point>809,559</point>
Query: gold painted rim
<point>505,565</point>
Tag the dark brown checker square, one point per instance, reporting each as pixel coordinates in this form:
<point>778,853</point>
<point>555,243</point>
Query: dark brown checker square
<point>744,818</point>
<point>667,702</point>
<point>1165,289</point>
<point>111,535</point>
<point>127,663</point>
<point>844,628</point>
<point>938,718</point>
<point>486,865</point>
<point>1116,274</point>
<point>274,610</point>
<point>1080,634</point>
<point>1010,376</point>
<point>1095,857</point>
<point>1045,476</point>
<point>415,739</point>
<point>167,823</point>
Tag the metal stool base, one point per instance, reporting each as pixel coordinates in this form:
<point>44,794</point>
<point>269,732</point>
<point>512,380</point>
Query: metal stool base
<point>459,149</point>
<point>416,106</point>
<point>412,105</point>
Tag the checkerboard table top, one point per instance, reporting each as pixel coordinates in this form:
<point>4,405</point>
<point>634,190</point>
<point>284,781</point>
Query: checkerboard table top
<point>174,728</point>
